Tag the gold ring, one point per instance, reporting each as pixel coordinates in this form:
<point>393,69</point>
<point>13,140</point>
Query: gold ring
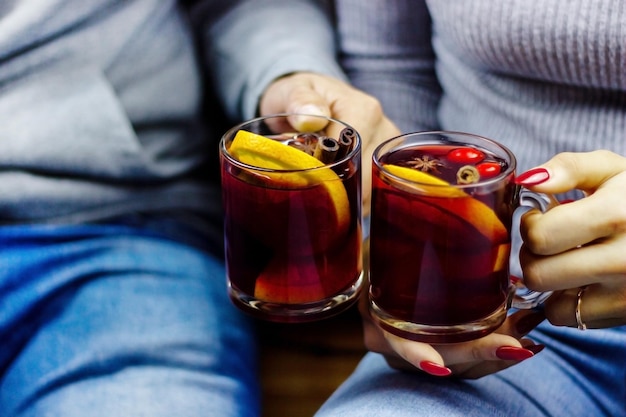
<point>579,301</point>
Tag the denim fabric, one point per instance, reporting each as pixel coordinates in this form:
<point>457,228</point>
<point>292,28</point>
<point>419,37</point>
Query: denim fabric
<point>113,320</point>
<point>579,374</point>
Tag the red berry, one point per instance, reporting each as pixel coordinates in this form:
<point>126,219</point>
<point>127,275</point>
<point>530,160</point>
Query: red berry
<point>488,169</point>
<point>466,155</point>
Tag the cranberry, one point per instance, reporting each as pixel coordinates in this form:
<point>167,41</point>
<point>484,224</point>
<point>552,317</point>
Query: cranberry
<point>466,155</point>
<point>488,169</point>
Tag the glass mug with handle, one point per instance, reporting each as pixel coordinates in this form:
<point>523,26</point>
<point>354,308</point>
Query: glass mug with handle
<point>292,217</point>
<point>440,238</point>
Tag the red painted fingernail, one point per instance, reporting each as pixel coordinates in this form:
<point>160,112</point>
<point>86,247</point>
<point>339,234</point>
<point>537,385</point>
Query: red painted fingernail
<point>513,353</point>
<point>533,176</point>
<point>435,369</point>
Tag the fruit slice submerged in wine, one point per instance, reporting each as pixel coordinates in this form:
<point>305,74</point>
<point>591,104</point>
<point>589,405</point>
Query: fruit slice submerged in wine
<point>309,278</point>
<point>447,200</point>
<point>299,270</point>
<point>263,152</point>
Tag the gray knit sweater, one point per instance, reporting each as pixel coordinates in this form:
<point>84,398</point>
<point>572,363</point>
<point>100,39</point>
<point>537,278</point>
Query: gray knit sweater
<point>540,76</point>
<point>100,100</point>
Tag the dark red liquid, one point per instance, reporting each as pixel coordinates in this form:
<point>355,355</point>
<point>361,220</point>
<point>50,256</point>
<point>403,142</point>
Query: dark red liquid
<point>430,264</point>
<point>283,244</point>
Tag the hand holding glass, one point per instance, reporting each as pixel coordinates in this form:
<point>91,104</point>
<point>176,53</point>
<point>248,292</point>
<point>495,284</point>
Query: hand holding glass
<point>440,240</point>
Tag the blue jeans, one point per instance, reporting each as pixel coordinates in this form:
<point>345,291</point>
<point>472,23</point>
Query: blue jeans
<point>579,374</point>
<point>118,320</point>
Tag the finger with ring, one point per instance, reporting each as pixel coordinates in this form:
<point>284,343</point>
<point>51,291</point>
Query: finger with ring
<point>579,300</point>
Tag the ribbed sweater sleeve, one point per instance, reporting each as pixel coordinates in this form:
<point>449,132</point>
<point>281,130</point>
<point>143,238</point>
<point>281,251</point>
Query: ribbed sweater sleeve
<point>540,76</point>
<point>387,52</point>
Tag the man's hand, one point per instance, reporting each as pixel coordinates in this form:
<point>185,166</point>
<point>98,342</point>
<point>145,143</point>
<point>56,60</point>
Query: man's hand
<point>308,93</point>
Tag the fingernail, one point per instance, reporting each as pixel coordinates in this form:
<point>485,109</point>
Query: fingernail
<point>533,176</point>
<point>513,353</point>
<point>310,109</point>
<point>306,121</point>
<point>529,322</point>
<point>435,369</point>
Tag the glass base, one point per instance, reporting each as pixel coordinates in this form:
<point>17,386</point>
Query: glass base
<point>297,313</point>
<point>439,333</point>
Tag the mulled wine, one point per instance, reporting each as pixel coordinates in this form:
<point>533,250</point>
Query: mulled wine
<point>292,207</point>
<point>440,237</point>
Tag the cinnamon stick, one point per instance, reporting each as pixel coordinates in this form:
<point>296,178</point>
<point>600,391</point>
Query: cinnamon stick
<point>326,149</point>
<point>346,138</point>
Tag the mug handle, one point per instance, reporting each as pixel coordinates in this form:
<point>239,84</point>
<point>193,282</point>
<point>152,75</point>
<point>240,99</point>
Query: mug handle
<point>522,297</point>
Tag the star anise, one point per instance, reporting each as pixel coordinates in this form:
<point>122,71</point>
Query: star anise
<point>425,164</point>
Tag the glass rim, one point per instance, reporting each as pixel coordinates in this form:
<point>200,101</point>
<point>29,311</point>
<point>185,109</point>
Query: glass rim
<point>445,133</point>
<point>231,131</point>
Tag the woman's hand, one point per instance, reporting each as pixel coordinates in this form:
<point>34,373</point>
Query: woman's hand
<point>499,350</point>
<point>580,244</point>
<point>309,93</point>
<point>495,352</point>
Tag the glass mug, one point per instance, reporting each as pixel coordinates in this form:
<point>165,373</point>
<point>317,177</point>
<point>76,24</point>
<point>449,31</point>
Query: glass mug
<point>292,217</point>
<point>440,238</point>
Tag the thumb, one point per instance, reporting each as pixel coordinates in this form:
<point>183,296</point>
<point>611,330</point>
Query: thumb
<point>566,171</point>
<point>293,94</point>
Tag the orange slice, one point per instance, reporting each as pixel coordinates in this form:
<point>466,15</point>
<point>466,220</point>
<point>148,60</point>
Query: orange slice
<point>307,279</point>
<point>294,275</point>
<point>263,152</point>
<point>422,181</point>
<point>452,200</point>
<point>289,282</point>
<point>502,257</point>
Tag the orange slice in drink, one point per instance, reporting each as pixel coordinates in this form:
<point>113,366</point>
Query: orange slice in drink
<point>263,152</point>
<point>425,182</point>
<point>292,276</point>
<point>503,253</point>
<point>453,201</point>
<point>308,279</point>
<point>289,282</point>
